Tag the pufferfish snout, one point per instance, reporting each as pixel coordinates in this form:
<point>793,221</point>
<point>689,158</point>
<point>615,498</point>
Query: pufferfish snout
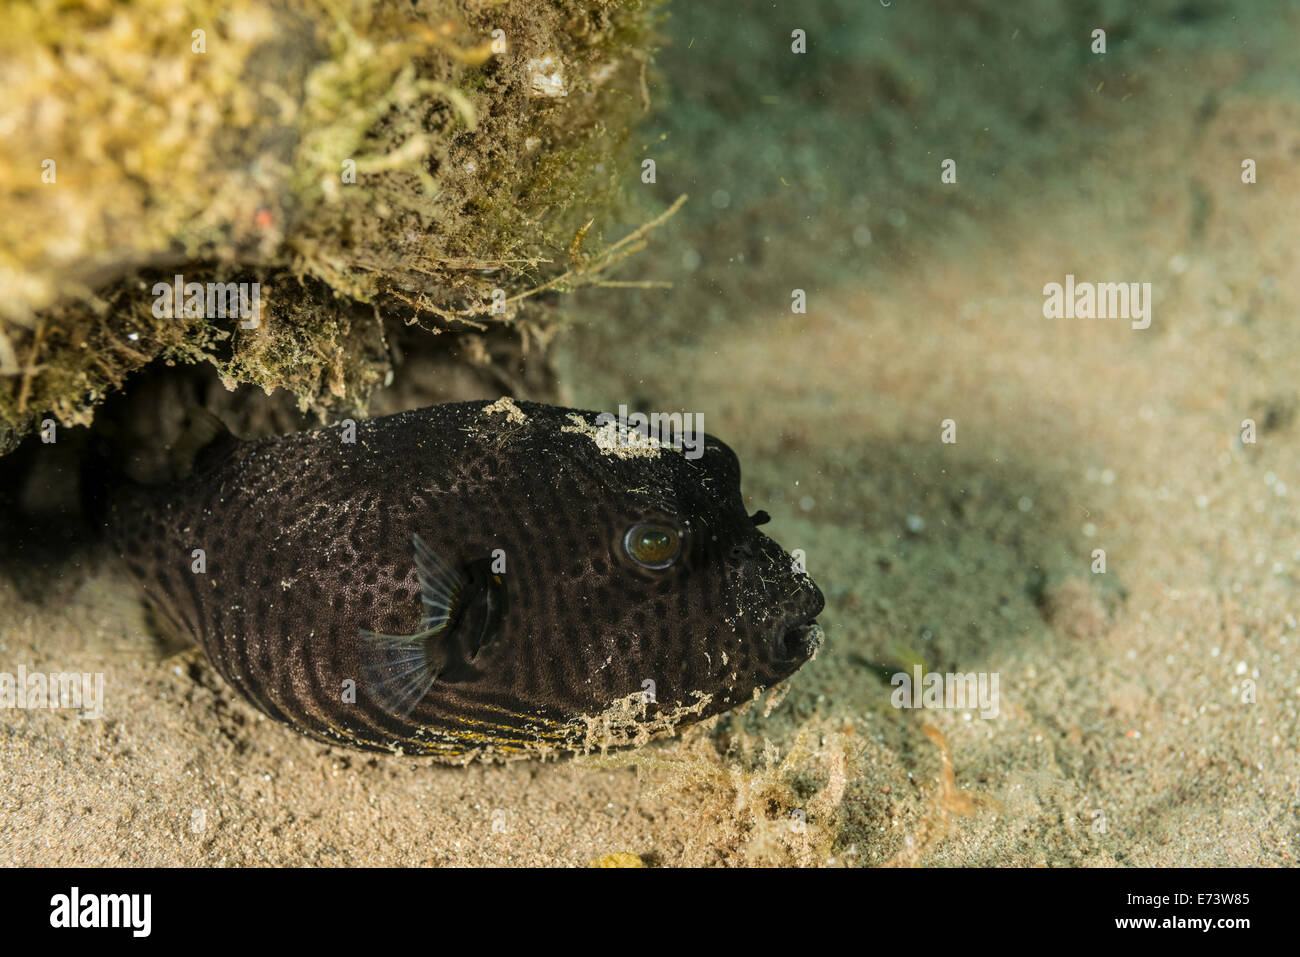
<point>790,602</point>
<point>473,580</point>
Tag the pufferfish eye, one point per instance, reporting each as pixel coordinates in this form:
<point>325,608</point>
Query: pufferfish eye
<point>652,545</point>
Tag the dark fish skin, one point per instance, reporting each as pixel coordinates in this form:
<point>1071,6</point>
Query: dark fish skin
<point>308,544</point>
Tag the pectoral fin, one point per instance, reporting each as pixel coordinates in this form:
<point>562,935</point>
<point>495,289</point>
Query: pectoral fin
<point>399,670</point>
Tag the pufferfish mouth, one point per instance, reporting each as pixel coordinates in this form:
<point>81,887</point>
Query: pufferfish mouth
<point>800,641</point>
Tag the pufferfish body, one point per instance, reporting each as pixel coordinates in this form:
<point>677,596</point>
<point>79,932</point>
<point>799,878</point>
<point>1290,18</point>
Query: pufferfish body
<point>472,580</point>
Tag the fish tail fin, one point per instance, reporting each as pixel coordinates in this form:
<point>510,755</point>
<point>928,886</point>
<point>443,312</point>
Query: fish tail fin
<point>141,442</point>
<point>206,439</point>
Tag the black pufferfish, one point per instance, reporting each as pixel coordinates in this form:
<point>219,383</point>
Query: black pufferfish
<point>472,580</point>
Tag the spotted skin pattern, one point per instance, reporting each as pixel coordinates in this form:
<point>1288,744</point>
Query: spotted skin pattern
<point>307,545</point>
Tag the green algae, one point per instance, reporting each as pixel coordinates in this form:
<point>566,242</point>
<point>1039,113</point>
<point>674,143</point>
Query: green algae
<point>372,165</point>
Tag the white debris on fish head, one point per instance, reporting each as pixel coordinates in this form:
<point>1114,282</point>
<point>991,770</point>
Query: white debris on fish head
<point>505,406</point>
<point>615,439</point>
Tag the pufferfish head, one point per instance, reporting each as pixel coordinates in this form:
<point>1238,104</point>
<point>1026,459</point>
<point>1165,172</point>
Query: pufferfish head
<point>696,599</point>
<point>626,569</point>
